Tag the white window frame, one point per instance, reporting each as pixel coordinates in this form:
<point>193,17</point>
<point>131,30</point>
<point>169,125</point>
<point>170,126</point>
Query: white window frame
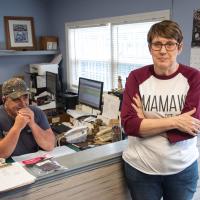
<point>135,18</point>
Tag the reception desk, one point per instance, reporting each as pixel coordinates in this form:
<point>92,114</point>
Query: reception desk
<point>95,173</point>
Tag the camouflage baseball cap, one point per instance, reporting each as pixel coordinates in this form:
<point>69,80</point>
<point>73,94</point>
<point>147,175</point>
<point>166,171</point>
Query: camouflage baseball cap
<point>14,88</point>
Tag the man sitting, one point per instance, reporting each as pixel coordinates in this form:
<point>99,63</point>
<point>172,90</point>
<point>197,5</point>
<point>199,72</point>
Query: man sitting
<point>23,128</point>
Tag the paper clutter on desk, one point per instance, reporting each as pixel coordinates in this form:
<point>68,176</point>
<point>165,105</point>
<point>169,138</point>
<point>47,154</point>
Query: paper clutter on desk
<point>110,106</point>
<point>14,176</point>
<point>35,160</point>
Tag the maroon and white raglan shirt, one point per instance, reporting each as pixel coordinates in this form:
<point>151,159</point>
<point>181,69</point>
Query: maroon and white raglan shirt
<point>162,97</point>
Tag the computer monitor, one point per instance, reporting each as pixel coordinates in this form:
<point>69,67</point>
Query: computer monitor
<point>51,82</point>
<point>90,92</point>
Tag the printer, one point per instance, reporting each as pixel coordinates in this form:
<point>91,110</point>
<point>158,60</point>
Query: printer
<point>38,82</point>
<point>38,73</point>
<point>41,68</point>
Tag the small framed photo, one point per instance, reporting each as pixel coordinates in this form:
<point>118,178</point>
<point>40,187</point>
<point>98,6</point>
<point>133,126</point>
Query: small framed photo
<point>49,43</point>
<point>20,33</point>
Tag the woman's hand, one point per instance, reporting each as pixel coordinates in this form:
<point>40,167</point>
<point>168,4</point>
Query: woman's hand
<point>186,123</point>
<point>137,105</point>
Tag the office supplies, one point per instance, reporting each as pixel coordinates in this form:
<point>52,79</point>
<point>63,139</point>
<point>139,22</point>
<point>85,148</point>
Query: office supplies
<point>13,176</point>
<point>3,163</point>
<point>60,128</point>
<point>78,114</point>
<point>43,94</point>
<point>2,160</point>
<point>77,134</point>
<point>60,151</point>
<point>116,134</point>
<point>42,68</point>
<point>104,135</point>
<point>55,153</point>
<point>33,161</point>
<point>89,119</point>
<point>47,106</point>
<point>111,106</point>
<point>104,131</point>
<point>38,75</point>
<point>48,165</point>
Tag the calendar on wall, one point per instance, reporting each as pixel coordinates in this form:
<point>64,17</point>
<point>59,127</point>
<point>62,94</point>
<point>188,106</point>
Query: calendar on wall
<point>195,57</point>
<point>196,29</point>
<point>195,49</point>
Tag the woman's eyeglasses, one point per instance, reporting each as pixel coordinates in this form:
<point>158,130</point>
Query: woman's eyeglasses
<point>169,46</point>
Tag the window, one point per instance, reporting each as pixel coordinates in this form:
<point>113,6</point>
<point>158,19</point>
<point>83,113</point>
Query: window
<point>104,49</point>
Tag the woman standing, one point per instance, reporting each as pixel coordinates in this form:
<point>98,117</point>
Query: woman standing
<point>160,113</point>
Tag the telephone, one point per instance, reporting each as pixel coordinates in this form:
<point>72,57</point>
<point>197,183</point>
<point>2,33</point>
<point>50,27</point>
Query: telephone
<point>104,135</point>
<point>77,134</point>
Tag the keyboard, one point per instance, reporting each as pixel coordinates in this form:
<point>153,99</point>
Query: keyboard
<point>60,128</point>
<point>78,114</point>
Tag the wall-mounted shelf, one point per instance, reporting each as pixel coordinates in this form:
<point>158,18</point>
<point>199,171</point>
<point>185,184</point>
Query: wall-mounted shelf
<point>26,53</point>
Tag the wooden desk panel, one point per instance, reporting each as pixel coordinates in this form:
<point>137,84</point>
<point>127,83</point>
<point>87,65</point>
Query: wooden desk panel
<point>92,174</point>
<point>105,183</point>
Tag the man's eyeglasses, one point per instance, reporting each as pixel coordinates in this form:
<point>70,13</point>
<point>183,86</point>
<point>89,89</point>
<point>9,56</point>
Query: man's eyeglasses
<point>169,46</point>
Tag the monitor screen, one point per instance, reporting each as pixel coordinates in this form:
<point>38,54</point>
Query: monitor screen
<point>51,82</point>
<point>90,92</point>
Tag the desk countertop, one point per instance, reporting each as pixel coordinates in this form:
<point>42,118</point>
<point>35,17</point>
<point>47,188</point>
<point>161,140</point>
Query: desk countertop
<point>77,163</point>
<point>89,159</point>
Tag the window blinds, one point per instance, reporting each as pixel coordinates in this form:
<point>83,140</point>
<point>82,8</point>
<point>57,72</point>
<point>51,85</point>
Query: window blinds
<point>105,49</point>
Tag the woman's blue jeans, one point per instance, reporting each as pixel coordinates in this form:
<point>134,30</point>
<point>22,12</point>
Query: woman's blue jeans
<point>181,186</point>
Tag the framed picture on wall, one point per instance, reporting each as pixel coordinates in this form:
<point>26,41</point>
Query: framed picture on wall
<point>19,32</point>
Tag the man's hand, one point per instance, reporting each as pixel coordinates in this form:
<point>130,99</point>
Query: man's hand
<point>137,105</point>
<point>27,112</point>
<point>188,124</point>
<point>21,121</point>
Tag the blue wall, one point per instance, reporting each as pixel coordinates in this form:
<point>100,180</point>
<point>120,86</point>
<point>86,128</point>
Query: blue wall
<point>72,10</point>
<point>182,12</point>
<point>16,65</point>
<point>51,15</point>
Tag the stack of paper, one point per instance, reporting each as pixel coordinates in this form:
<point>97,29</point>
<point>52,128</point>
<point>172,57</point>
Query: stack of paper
<point>13,176</point>
<point>111,106</point>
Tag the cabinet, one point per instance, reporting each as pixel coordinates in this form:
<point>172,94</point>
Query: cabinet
<point>28,53</point>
